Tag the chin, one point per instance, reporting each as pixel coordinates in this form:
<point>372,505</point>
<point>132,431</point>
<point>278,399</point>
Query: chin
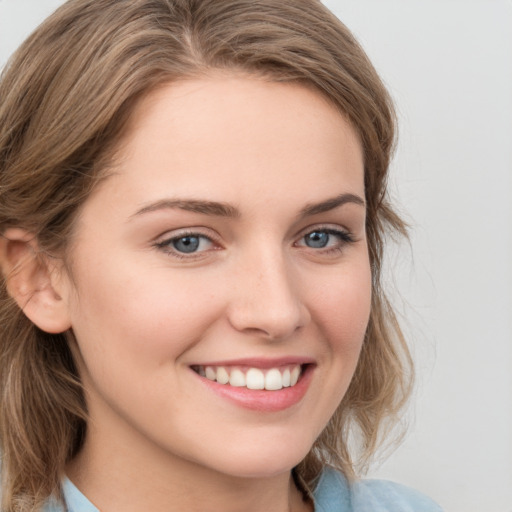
<point>260,469</point>
<point>263,460</point>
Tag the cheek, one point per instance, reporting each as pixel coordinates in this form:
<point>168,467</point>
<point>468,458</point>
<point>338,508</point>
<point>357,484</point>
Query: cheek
<point>342,308</point>
<point>140,318</point>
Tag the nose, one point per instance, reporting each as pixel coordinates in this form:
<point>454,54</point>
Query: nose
<point>265,298</point>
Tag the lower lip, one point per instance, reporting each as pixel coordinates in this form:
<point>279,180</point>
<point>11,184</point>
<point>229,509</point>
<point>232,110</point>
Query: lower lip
<point>260,399</point>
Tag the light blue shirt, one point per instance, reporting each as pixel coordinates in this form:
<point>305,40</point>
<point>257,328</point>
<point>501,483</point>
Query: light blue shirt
<point>332,494</point>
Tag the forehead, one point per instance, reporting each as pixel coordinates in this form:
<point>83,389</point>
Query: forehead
<point>232,137</point>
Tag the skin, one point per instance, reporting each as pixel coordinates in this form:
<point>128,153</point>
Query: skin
<point>142,313</point>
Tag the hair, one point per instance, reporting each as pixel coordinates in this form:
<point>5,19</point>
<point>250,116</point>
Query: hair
<point>65,101</point>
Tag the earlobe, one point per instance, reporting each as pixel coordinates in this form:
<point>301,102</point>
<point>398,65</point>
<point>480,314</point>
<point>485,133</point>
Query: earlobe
<point>31,280</point>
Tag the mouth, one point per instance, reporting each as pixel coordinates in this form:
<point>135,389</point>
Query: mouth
<point>253,378</point>
<point>261,385</point>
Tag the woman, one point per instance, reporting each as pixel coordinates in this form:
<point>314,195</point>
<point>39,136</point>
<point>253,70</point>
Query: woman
<point>193,209</point>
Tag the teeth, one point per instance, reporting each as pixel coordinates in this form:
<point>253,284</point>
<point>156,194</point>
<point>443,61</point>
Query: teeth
<point>222,375</point>
<point>294,376</point>
<point>272,379</point>
<point>255,379</point>
<point>237,378</point>
<point>286,378</point>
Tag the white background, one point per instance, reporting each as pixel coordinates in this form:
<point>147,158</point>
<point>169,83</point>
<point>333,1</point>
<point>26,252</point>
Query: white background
<point>448,64</point>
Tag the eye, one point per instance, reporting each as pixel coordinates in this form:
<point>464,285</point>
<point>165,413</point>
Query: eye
<point>186,244</point>
<point>317,239</point>
<point>326,238</point>
<point>190,243</point>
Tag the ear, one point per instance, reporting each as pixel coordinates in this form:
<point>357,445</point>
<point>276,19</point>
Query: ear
<point>34,281</point>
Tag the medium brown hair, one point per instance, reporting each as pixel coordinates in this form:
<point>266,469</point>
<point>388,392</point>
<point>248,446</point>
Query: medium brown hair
<point>65,98</point>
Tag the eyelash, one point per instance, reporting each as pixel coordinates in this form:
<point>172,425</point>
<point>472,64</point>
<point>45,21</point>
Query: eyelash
<point>345,237</point>
<point>166,245</point>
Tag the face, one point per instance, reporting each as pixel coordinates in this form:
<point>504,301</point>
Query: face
<point>220,284</point>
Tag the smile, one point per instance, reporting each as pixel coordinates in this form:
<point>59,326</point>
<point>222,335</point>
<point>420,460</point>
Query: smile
<point>271,379</point>
<point>260,385</point>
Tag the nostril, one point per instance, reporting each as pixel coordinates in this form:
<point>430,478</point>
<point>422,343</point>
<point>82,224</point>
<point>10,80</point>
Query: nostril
<point>271,322</point>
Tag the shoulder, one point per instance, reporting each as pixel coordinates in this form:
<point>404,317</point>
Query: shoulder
<point>368,495</point>
<point>334,494</point>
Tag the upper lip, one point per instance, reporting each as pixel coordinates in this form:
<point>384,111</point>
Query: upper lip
<point>259,362</point>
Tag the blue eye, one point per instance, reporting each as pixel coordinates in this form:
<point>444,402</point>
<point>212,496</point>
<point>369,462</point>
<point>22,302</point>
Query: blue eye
<point>317,239</point>
<point>326,239</point>
<point>186,244</point>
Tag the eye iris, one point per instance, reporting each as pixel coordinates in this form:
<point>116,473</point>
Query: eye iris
<point>186,244</point>
<point>317,239</point>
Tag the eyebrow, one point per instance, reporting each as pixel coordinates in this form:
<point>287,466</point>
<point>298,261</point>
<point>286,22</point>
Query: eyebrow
<point>331,204</point>
<point>220,209</point>
<point>192,205</point>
